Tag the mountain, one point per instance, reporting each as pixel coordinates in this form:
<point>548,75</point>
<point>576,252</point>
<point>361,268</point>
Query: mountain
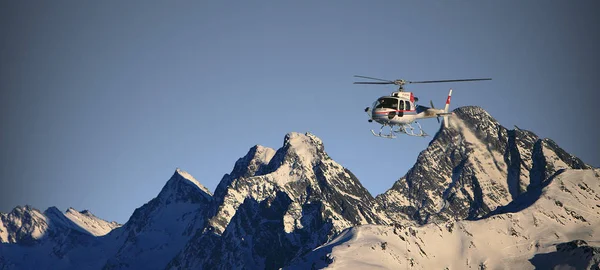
<point>31,239</point>
<point>474,169</point>
<point>28,226</point>
<point>275,205</point>
<point>160,228</point>
<point>480,196</point>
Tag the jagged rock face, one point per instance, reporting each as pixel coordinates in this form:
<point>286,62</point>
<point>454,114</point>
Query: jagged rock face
<point>472,168</point>
<point>277,204</point>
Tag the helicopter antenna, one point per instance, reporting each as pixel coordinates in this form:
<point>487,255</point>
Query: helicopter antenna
<point>400,83</point>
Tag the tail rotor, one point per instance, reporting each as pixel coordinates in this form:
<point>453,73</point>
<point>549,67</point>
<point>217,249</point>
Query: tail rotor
<point>446,108</point>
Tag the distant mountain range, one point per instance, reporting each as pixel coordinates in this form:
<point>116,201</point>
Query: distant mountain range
<point>479,196</point>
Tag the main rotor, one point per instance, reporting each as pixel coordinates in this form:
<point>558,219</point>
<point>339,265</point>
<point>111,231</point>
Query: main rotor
<point>400,83</point>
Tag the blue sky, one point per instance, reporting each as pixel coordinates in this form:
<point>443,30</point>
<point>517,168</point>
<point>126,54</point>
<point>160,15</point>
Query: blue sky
<point>100,102</point>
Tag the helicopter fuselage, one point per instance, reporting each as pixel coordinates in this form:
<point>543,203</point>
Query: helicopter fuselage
<point>390,117</point>
<point>400,109</point>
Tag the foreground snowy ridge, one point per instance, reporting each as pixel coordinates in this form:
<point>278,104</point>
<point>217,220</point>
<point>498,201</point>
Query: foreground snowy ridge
<point>480,196</point>
<point>506,241</point>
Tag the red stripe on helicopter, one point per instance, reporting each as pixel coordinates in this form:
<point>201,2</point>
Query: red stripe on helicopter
<point>448,100</point>
<point>395,111</point>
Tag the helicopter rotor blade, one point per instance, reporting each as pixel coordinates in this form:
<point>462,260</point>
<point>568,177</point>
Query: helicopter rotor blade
<point>442,81</point>
<point>373,83</point>
<point>365,77</point>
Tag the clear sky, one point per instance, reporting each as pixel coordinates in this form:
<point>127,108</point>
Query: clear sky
<point>102,100</point>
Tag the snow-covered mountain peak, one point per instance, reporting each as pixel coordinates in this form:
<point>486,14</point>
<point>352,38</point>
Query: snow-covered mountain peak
<point>475,117</point>
<point>299,149</point>
<point>160,228</point>
<point>73,211</point>
<point>254,162</point>
<point>301,171</point>
<point>263,153</point>
<point>52,210</point>
<point>185,175</point>
<point>21,210</point>
<point>296,138</point>
<point>470,121</point>
<point>60,222</point>
<point>183,187</point>
<point>475,112</point>
<point>304,144</point>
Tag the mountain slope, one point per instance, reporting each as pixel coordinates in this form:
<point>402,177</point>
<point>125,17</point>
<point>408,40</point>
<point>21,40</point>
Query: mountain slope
<point>157,231</point>
<point>535,237</point>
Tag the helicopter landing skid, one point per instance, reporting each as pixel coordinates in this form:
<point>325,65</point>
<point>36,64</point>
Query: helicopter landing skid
<point>389,136</point>
<point>407,129</point>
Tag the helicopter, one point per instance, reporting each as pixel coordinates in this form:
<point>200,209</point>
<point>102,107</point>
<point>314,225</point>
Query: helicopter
<point>399,110</point>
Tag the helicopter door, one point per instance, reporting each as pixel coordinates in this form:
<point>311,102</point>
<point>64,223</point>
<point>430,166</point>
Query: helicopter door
<point>400,108</point>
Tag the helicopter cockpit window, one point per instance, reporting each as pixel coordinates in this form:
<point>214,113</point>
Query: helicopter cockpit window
<point>407,105</point>
<point>388,103</point>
